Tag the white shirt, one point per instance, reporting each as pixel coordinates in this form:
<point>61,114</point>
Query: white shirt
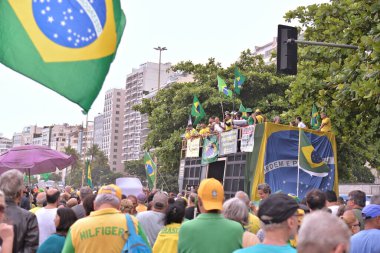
<point>218,128</point>
<point>46,226</point>
<point>301,125</point>
<point>334,209</point>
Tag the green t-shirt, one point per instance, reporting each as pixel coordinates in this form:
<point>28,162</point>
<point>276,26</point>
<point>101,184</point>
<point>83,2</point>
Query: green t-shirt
<point>264,248</point>
<point>251,121</point>
<point>210,233</point>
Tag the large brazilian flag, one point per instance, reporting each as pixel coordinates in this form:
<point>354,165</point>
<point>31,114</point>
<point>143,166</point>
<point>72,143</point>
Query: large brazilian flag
<point>66,45</point>
<point>275,160</point>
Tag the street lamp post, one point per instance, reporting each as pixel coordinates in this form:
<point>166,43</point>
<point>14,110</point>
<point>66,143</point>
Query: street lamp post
<point>159,64</point>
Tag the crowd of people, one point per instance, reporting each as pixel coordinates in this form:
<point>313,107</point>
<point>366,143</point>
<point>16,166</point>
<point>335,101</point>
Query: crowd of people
<point>234,120</point>
<point>202,221</point>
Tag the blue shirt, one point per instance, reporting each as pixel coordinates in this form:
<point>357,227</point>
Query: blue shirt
<point>265,248</point>
<point>53,244</point>
<point>366,241</point>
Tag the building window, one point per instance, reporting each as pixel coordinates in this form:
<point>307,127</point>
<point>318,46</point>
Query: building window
<point>117,112</point>
<point>115,156</point>
<point>116,131</point>
<point>115,138</point>
<point>114,162</point>
<point>117,106</point>
<point>118,93</point>
<point>118,100</point>
<point>114,169</point>
<point>115,150</point>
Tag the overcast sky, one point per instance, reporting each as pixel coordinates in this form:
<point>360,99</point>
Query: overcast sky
<point>191,30</point>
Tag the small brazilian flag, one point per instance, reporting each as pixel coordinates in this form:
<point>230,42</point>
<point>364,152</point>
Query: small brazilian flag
<point>222,86</point>
<point>65,45</point>
<point>243,111</point>
<point>197,110</point>
<point>150,169</point>
<point>308,158</point>
<point>239,80</point>
<point>315,118</point>
<point>88,174</point>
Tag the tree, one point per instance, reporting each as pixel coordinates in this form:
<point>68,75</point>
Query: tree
<point>168,112</point>
<point>74,175</point>
<point>343,82</point>
<point>136,169</point>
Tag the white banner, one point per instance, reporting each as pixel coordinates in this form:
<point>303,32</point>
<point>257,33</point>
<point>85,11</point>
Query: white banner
<point>247,138</point>
<point>228,142</point>
<point>192,149</point>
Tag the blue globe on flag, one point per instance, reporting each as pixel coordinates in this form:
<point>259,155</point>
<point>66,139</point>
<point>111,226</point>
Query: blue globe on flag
<point>211,150</point>
<point>149,168</point>
<point>315,158</point>
<point>73,24</point>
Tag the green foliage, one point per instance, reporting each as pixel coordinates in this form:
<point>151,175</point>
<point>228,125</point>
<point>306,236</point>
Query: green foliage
<point>169,111</point>
<point>100,170</point>
<point>343,82</point>
<point>136,169</point>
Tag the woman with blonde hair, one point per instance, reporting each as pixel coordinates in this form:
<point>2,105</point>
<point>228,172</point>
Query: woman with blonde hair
<point>352,222</point>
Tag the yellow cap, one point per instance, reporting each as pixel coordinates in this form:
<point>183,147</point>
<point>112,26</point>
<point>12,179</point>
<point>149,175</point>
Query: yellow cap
<point>111,189</point>
<point>257,110</point>
<point>211,193</point>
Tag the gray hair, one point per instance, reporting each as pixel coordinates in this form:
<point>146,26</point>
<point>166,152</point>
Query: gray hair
<point>375,199</point>
<point>12,183</point>
<point>329,229</point>
<point>243,197</point>
<point>107,199</point>
<point>84,192</point>
<point>235,209</point>
<point>41,198</point>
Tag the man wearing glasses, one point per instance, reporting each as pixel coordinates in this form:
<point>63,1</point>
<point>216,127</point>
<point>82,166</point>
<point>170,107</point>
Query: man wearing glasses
<point>368,239</point>
<point>356,202</point>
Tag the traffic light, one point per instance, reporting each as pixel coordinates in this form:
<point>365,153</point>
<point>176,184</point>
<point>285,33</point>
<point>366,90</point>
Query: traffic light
<point>286,51</point>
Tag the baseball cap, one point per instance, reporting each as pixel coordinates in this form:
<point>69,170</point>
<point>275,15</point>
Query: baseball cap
<point>371,211</point>
<point>248,110</point>
<point>160,200</point>
<point>211,193</point>
<point>111,189</point>
<point>277,208</point>
<point>257,110</point>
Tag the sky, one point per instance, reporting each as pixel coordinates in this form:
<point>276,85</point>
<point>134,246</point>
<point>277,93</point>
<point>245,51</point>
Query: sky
<point>191,30</point>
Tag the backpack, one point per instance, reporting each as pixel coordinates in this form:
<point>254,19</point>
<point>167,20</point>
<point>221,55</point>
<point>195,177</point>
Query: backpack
<point>134,244</point>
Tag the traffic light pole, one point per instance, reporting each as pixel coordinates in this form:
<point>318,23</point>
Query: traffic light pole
<point>324,44</point>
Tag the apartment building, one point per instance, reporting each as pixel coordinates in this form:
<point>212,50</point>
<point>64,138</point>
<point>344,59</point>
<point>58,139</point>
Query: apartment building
<point>5,144</point>
<point>113,120</point>
<point>141,81</point>
<point>266,51</point>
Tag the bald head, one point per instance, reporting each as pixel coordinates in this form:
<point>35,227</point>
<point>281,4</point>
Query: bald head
<point>52,196</point>
<point>243,197</point>
<point>41,198</point>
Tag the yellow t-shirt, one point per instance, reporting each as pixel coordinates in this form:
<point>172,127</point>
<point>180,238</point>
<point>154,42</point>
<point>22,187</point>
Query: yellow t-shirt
<point>167,239</point>
<point>204,131</point>
<point>260,119</point>
<point>253,223</point>
<point>327,126</point>
<point>35,209</point>
<point>228,128</point>
<point>141,208</point>
<point>190,133</point>
<point>102,231</point>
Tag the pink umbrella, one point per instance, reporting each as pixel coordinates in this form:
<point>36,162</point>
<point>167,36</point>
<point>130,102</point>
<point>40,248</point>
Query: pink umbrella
<point>34,159</point>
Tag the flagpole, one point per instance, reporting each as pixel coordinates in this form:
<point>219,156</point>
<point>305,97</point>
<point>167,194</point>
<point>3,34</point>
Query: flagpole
<point>221,104</point>
<point>298,162</point>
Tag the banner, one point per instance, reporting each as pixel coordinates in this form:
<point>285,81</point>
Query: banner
<point>192,149</point>
<point>210,150</point>
<point>275,160</point>
<point>228,142</point>
<point>247,138</point>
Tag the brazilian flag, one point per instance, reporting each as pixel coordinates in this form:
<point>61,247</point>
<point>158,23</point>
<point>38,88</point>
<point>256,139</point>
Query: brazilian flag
<point>308,158</point>
<point>315,118</point>
<point>66,45</point>
<point>243,111</point>
<point>150,169</point>
<point>88,174</point>
<point>239,80</point>
<point>197,110</point>
<point>222,86</point>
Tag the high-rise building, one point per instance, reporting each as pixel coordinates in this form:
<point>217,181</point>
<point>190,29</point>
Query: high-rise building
<point>98,130</point>
<point>140,82</point>
<point>112,141</point>
<point>266,51</point>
